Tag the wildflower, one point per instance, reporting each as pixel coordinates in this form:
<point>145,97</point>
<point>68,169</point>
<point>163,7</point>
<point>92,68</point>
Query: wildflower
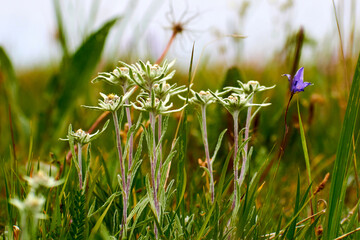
<point>82,137</point>
<point>237,102</point>
<point>297,84</point>
<point>163,89</point>
<point>145,75</point>
<point>119,76</point>
<point>155,105</point>
<point>32,203</point>
<point>251,86</point>
<point>202,98</point>
<point>112,102</point>
<point>42,179</point>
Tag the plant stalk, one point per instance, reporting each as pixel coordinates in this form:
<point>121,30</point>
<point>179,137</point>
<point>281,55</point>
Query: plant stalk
<point>236,143</point>
<point>207,154</point>
<point>247,130</point>
<point>131,147</point>
<point>80,165</point>
<point>153,163</point>
<point>118,141</point>
<point>160,150</point>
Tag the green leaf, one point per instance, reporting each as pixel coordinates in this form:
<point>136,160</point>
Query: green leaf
<point>218,145</point>
<point>61,30</point>
<point>105,205</point>
<point>100,220</point>
<point>138,209</point>
<point>12,93</point>
<point>77,230</point>
<point>304,146</point>
<point>336,198</point>
<point>79,68</point>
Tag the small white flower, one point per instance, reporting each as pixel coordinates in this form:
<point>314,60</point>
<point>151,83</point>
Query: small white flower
<point>119,76</point>
<point>146,75</point>
<point>112,102</point>
<point>237,102</point>
<point>251,86</point>
<point>42,179</point>
<point>82,137</point>
<point>32,203</point>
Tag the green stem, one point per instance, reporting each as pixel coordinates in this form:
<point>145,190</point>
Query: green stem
<point>80,165</point>
<point>207,153</point>
<point>236,143</point>
<point>121,161</point>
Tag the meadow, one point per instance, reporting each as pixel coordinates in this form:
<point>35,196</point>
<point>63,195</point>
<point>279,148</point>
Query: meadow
<point>142,149</point>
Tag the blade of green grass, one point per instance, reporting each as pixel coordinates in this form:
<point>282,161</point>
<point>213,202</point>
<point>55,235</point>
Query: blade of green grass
<point>78,69</point>
<point>100,219</point>
<point>336,200</point>
<point>61,30</point>
<point>306,156</point>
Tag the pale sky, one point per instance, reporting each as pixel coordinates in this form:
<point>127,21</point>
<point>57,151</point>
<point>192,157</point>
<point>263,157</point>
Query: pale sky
<point>28,28</point>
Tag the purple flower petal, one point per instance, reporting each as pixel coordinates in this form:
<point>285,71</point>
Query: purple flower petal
<point>298,84</point>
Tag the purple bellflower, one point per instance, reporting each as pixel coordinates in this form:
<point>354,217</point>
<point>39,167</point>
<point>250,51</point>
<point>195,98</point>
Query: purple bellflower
<point>298,84</point>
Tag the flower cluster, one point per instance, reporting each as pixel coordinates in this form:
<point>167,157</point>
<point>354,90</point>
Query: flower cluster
<point>145,75</point>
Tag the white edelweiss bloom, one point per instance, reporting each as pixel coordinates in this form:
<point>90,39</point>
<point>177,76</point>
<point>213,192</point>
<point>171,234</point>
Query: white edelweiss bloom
<point>82,137</point>
<point>146,75</point>
<point>251,86</point>
<point>42,179</point>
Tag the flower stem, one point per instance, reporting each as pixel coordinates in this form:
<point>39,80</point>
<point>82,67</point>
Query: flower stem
<point>131,147</point>
<point>172,38</point>
<point>236,146</point>
<point>80,165</point>
<point>153,163</point>
<point>207,154</point>
<point>118,141</point>
<point>247,130</point>
<point>160,150</point>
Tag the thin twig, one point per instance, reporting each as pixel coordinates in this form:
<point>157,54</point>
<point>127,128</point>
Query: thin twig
<point>348,234</point>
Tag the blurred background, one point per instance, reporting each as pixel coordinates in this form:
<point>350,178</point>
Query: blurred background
<point>50,51</point>
<point>29,30</point>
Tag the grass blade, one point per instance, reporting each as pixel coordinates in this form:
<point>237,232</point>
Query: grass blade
<point>342,158</point>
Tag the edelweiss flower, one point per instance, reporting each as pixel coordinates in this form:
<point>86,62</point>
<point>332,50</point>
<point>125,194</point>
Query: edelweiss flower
<point>120,76</point>
<point>155,105</point>
<point>82,137</point>
<point>237,102</point>
<point>145,75</point>
<point>112,102</point>
<point>248,88</point>
<point>42,179</point>
<point>202,98</point>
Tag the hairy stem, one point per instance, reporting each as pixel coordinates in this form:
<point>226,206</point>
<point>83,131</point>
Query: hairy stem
<point>160,150</point>
<point>247,130</point>
<point>121,161</point>
<point>80,165</point>
<point>131,147</point>
<point>236,143</point>
<point>207,154</point>
<point>153,162</point>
